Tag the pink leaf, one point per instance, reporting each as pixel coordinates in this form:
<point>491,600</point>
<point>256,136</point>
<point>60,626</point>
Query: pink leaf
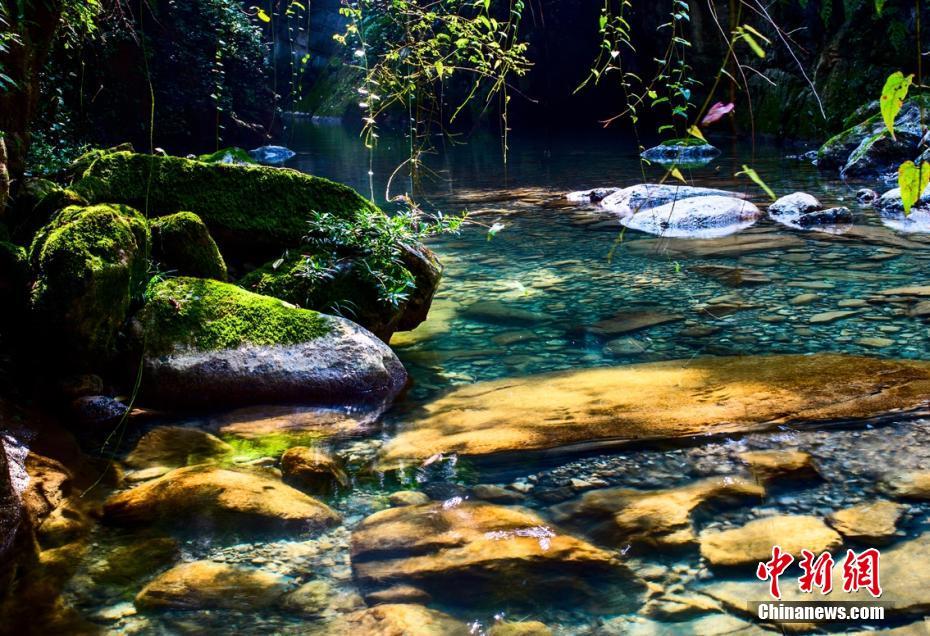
<point>716,112</point>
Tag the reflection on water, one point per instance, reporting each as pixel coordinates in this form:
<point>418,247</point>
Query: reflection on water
<point>565,286</point>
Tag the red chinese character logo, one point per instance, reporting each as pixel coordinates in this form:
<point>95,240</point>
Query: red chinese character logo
<point>772,569</point>
<point>860,571</point>
<point>817,573</point>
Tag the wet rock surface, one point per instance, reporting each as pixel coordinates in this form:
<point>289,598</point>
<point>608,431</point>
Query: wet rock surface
<point>657,402</point>
<point>752,543</point>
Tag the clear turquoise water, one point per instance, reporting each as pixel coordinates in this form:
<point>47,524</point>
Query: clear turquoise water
<point>564,267</point>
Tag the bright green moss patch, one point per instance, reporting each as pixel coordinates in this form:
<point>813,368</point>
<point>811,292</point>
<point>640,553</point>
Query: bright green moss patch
<point>208,315</point>
<point>91,264</point>
<point>181,243</point>
<point>228,155</point>
<point>245,207</point>
<point>274,445</point>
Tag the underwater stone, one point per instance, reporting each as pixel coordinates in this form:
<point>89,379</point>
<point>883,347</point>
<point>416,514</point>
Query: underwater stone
<point>203,585</point>
<point>655,401</point>
<point>752,543</point>
<point>871,523</point>
<point>710,216</point>
<point>212,498</point>
<point>460,550</point>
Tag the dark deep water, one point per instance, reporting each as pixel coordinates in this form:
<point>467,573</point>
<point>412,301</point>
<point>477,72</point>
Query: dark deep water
<point>557,266</point>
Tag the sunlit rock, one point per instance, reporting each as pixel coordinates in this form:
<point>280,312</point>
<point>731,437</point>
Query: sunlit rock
<point>207,342</point>
<point>640,198</point>
<point>870,523</point>
<point>698,217</point>
<point>204,585</point>
<point>658,518</point>
<point>312,470</point>
<point>913,484</point>
<point>462,551</point>
<point>802,211</point>
<point>219,500</point>
<point>398,618</point>
<point>752,543</point>
<point>658,401</point>
<point>769,466</point>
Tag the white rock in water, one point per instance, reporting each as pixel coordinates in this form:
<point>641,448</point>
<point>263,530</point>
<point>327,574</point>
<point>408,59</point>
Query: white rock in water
<point>644,196</point>
<point>796,203</point>
<point>917,222</point>
<point>698,217</point>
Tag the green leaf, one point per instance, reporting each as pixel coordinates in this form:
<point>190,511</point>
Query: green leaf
<point>893,95</point>
<point>879,5</point>
<point>751,41</point>
<point>752,174</point>
<point>913,180</point>
<point>694,131</point>
<point>675,172</point>
<point>263,15</point>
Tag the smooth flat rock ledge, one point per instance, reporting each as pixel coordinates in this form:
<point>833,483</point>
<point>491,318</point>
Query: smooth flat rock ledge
<point>677,400</point>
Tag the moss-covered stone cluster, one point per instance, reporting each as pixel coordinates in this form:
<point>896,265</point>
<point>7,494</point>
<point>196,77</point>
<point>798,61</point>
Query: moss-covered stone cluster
<point>89,262</point>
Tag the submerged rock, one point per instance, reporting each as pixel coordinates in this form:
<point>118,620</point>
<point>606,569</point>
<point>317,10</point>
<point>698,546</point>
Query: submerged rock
<point>913,484</point>
<point>777,465</point>
<point>733,276</point>
<point>688,151</point>
<point>213,498</point>
<point>397,619</point>
<point>208,342</point>
<point>176,446</point>
<point>312,470</point>
<point>752,543</point>
<point>631,321</point>
<point>91,264</point>
<point>869,523</point>
<point>204,585</point>
<point>656,401</point>
<point>182,243</point>
<point>459,551</point>
<point>696,217</point>
<point>657,518</point>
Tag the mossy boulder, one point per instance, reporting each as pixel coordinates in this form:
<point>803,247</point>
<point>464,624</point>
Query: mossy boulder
<point>182,243</point>
<point>866,147</point>
<point>206,342</point>
<point>249,209</point>
<point>91,265</point>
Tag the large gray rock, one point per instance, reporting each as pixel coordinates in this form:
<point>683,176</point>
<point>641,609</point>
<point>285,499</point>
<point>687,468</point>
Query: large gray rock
<point>208,342</point>
<point>795,204</point>
<point>696,217</point>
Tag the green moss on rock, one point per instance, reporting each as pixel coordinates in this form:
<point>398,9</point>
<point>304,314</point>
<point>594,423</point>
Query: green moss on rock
<point>182,243</point>
<point>194,313</point>
<point>91,264</point>
<point>247,208</point>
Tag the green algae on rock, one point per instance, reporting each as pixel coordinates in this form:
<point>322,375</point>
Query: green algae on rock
<point>205,341</point>
<point>659,401</point>
<point>90,265</point>
<point>182,243</point>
